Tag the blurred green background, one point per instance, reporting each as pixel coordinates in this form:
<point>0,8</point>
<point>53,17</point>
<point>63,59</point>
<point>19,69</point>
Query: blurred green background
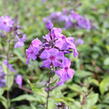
<point>89,89</point>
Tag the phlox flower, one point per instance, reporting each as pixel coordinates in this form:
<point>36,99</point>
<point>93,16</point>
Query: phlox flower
<point>51,57</point>
<point>19,80</point>
<point>65,73</point>
<point>20,41</point>
<point>33,50</point>
<point>6,23</point>
<point>52,52</point>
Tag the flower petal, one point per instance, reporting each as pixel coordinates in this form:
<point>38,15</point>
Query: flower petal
<point>46,63</point>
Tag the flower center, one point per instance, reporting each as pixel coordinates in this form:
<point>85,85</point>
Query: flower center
<point>63,37</point>
<point>5,22</point>
<point>52,57</point>
<point>66,68</point>
<point>31,52</point>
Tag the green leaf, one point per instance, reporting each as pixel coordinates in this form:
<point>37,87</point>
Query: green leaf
<point>76,88</point>
<point>83,73</point>
<point>1,91</point>
<point>24,97</point>
<point>104,85</point>
<point>23,107</point>
<point>19,54</point>
<point>9,77</point>
<point>92,99</point>
<point>106,99</point>
<point>3,101</point>
<point>106,61</point>
<point>51,104</point>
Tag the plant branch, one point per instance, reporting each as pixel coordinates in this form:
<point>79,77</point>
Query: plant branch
<point>48,92</point>
<point>8,95</point>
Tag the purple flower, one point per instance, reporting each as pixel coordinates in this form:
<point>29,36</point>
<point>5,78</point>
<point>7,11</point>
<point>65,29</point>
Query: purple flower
<point>54,34</point>
<point>79,42</point>
<point>84,23</point>
<point>75,16</point>
<point>81,21</point>
<point>31,53</point>
<point>19,80</point>
<point>1,69</point>
<point>69,19</point>
<point>51,57</point>
<point>52,53</point>
<point>6,23</point>
<point>20,41</point>
<point>66,44</point>
<point>55,16</point>
<point>36,43</point>
<point>43,1</point>
<point>61,43</point>
<point>47,37</point>
<point>2,78</point>
<point>48,24</point>
<point>9,66</point>
<point>65,73</point>
<point>33,50</point>
<point>68,24</point>
<point>72,45</point>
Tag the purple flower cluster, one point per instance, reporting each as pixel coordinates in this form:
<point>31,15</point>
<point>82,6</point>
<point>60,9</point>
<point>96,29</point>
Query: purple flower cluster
<point>52,52</point>
<point>8,25</point>
<point>70,19</point>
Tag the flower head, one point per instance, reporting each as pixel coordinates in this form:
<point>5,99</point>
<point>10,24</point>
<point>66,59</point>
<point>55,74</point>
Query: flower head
<point>48,24</point>
<point>65,73</point>
<point>79,42</point>
<point>31,53</point>
<point>19,80</point>
<point>70,19</point>
<point>6,23</point>
<point>51,57</point>
<point>36,43</point>
<point>52,52</point>
<point>20,41</point>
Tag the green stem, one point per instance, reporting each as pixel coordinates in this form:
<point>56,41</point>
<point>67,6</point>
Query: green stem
<point>48,92</point>
<point>8,95</point>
